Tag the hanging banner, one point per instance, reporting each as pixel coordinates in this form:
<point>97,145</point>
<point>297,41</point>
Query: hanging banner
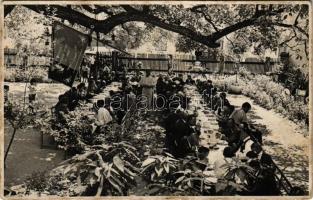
<point>69,46</point>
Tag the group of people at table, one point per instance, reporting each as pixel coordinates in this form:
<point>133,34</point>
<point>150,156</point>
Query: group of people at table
<point>182,131</point>
<point>179,123</point>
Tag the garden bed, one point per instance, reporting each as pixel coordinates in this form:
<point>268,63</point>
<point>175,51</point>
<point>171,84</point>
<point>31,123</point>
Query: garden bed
<point>270,95</point>
<point>20,74</point>
<point>135,163</point>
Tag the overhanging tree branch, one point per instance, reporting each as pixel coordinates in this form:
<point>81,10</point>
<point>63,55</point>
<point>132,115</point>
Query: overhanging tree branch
<point>64,13</point>
<point>306,49</point>
<point>292,26</point>
<point>105,10</point>
<point>8,9</point>
<point>105,26</point>
<point>207,17</point>
<point>145,8</point>
<point>132,14</point>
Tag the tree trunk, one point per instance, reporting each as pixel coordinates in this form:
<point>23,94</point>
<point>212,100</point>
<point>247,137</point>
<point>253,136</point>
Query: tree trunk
<point>11,141</point>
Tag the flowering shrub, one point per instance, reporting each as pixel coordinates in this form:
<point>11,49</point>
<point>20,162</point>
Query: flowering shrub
<point>263,99</point>
<point>261,81</point>
<point>16,74</point>
<point>270,95</point>
<point>275,95</point>
<point>249,90</point>
<point>243,71</point>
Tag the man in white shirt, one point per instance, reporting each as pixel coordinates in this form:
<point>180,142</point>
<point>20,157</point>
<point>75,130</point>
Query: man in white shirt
<point>239,123</point>
<point>103,115</point>
<point>148,84</point>
<point>240,116</point>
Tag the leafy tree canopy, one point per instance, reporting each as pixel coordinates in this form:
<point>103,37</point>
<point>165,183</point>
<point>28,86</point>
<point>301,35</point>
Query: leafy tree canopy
<point>245,25</point>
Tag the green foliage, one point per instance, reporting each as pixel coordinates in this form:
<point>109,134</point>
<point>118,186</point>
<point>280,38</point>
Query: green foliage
<point>270,95</point>
<point>186,176</point>
<point>238,170</point>
<point>27,31</point>
<point>186,45</point>
<point>159,168</point>
<point>16,74</point>
<point>130,35</point>
<point>102,170</point>
<point>37,182</point>
<point>40,182</point>
<point>19,114</point>
<point>243,71</point>
<point>74,132</point>
<point>268,26</point>
<point>195,182</point>
<point>238,178</point>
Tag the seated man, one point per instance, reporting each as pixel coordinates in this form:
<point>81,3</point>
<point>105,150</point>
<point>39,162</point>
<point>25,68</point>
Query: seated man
<point>160,85</point>
<point>249,150</point>
<point>189,80</point>
<point>81,91</point>
<point>180,79</point>
<point>103,115</point>
<point>119,105</point>
<point>219,102</point>
<point>223,116</point>
<point>208,86</point>
<point>264,169</point>
<point>92,88</point>
<point>61,108</point>
<point>181,138</point>
<point>267,184</point>
<point>220,166</point>
<point>73,98</point>
<point>237,124</point>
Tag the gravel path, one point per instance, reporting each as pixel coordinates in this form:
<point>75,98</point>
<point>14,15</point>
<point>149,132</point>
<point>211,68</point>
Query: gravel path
<point>284,141</point>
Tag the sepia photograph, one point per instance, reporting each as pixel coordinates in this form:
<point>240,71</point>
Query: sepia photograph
<point>152,98</point>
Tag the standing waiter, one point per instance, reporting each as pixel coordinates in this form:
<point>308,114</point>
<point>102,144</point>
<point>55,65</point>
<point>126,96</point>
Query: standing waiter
<point>148,83</point>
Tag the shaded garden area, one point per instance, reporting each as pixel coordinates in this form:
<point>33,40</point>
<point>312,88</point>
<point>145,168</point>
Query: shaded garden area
<point>156,100</point>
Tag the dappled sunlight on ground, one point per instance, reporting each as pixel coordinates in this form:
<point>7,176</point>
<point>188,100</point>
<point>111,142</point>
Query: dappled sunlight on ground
<point>283,140</point>
<point>47,93</point>
<point>26,156</point>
